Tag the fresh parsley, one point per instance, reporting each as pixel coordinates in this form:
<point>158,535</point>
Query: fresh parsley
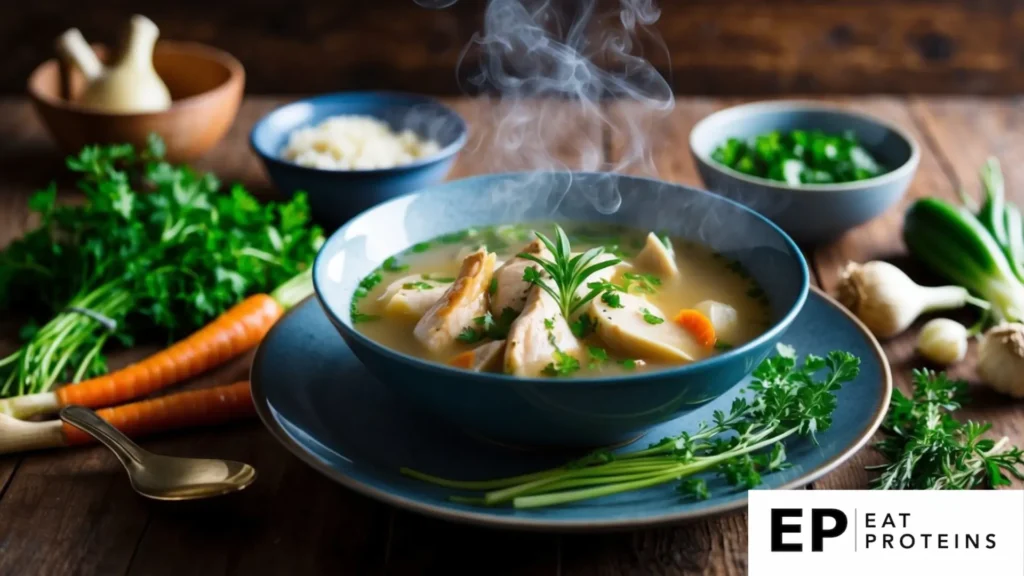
<point>159,248</point>
<point>927,449</point>
<point>741,445</point>
<point>645,283</point>
<point>650,317</point>
<point>611,299</point>
<point>583,326</point>
<point>598,356</point>
<point>391,264</point>
<point>417,285</point>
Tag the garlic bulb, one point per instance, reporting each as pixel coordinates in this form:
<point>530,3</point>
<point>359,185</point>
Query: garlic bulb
<point>1001,359</point>
<point>888,301</point>
<point>943,341</point>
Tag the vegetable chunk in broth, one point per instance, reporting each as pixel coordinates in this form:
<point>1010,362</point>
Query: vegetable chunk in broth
<point>586,301</point>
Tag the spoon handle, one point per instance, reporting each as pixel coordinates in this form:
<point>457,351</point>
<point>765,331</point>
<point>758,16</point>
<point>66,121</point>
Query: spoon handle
<point>128,452</point>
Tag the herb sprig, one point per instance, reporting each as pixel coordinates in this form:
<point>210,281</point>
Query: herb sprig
<point>567,272</point>
<point>789,399</point>
<point>155,250</point>
<point>927,449</point>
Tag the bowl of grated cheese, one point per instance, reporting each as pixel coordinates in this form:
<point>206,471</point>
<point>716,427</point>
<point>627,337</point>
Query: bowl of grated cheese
<point>351,151</point>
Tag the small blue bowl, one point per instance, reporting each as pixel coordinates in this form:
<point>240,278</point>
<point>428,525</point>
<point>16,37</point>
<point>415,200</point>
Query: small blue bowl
<point>810,213</point>
<point>560,412</point>
<point>337,195</point>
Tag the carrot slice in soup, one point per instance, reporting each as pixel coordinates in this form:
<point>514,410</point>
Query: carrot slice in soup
<point>463,360</point>
<point>698,325</point>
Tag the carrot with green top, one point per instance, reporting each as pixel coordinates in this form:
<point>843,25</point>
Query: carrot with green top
<point>230,335</point>
<point>193,408</point>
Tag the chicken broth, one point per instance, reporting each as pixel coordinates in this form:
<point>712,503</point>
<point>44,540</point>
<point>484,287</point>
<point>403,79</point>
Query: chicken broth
<point>470,300</point>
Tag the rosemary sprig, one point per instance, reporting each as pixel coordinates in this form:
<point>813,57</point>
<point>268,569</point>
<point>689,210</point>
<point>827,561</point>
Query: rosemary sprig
<point>567,272</point>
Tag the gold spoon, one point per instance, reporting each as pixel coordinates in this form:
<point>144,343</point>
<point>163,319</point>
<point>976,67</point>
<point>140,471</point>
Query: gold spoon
<point>163,477</point>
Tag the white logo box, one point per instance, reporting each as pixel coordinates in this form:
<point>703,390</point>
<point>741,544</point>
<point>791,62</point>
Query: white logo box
<point>899,532</point>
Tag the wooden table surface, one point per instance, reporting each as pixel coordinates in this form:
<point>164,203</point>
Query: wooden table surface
<point>73,511</point>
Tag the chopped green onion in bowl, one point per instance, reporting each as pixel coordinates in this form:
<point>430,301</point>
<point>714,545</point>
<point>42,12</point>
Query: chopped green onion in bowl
<point>800,157</point>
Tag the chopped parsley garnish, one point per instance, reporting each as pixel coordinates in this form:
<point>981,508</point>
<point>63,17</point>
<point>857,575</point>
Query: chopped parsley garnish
<point>564,364</point>
<point>417,286</point>
<point>645,283</point>
<point>666,242</point>
<point>493,288</point>
<point>469,335</point>
<point>611,299</point>
<point>365,285</point>
<point>420,247</point>
<point>495,329</point>
<point>438,279</point>
<point>391,264</point>
<point>583,326</point>
<point>597,355</point>
<point>629,364</point>
<point>650,318</point>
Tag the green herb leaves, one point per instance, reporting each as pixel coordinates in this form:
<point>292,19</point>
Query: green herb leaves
<point>651,318</point>
<point>927,449</point>
<point>739,445</point>
<point>567,272</point>
<point>161,263</point>
<point>799,156</point>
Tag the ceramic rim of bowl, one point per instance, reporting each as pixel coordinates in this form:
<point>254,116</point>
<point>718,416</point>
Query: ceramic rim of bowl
<point>265,412</point>
<point>776,329</point>
<point>236,74</point>
<point>808,105</point>
<point>439,156</point>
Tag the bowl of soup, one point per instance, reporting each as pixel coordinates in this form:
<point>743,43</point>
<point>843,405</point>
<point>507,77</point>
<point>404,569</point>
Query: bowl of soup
<point>560,309</point>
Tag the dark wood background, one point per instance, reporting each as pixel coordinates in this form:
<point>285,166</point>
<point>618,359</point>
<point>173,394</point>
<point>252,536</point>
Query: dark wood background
<point>748,47</point>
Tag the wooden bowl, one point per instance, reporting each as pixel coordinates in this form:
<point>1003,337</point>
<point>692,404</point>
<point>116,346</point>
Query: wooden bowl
<point>206,88</point>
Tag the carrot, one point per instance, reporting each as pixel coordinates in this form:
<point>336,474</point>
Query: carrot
<point>699,325</point>
<point>463,360</point>
<point>184,409</point>
<point>231,334</point>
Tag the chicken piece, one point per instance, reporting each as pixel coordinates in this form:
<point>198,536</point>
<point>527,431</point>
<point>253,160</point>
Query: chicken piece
<point>464,300</point>
<point>413,295</point>
<point>626,331</point>
<point>656,257</point>
<point>484,358</point>
<point>537,336</point>
<point>723,317</point>
<point>511,290</point>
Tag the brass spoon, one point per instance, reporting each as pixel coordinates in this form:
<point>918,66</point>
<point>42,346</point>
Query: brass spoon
<point>163,477</point>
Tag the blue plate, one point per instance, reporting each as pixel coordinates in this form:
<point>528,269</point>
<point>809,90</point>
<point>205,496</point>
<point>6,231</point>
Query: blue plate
<point>320,402</point>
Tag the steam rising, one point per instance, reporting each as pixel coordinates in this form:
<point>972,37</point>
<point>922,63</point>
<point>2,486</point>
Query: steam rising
<point>554,69</point>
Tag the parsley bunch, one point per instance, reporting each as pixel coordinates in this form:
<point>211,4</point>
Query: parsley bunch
<point>154,252</point>
<point>789,399</point>
<point>928,449</point>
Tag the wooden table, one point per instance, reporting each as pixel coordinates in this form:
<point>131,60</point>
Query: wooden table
<point>73,512</point>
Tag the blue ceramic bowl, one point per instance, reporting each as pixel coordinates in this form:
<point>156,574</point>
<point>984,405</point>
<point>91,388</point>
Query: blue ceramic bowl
<point>337,195</point>
<point>808,213</point>
<point>562,412</point>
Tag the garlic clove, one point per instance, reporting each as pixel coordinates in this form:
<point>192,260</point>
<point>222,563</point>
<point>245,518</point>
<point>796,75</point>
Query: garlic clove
<point>1001,359</point>
<point>881,295</point>
<point>943,341</point>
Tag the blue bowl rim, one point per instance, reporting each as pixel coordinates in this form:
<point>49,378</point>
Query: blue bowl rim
<point>774,332</point>
<point>773,106</point>
<point>443,154</point>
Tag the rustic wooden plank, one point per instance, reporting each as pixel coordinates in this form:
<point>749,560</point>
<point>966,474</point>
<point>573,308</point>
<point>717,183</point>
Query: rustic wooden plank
<point>714,547</point>
<point>713,46</point>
